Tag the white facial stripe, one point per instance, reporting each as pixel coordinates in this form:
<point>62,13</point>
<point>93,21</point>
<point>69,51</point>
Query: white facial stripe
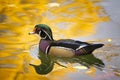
<point>42,37</point>
<point>48,35</point>
<point>39,32</point>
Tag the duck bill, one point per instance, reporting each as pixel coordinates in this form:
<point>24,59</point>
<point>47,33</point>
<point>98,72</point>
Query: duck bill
<point>31,33</point>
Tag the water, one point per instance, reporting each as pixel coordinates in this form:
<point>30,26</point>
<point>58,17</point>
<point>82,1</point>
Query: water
<point>78,18</point>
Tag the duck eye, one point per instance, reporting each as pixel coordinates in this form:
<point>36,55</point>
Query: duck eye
<point>38,29</point>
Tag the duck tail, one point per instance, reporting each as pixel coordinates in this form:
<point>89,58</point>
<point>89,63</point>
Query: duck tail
<point>88,49</point>
<point>91,48</point>
<point>97,45</point>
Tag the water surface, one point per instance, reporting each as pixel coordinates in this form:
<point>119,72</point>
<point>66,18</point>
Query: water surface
<point>85,20</point>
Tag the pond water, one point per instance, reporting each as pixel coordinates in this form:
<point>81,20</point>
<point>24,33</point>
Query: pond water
<point>94,21</point>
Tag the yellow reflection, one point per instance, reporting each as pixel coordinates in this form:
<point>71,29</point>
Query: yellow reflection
<point>17,19</point>
<point>91,71</point>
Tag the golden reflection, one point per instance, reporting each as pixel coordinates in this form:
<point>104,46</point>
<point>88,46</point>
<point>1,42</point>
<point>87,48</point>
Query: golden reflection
<point>67,19</point>
<point>91,71</point>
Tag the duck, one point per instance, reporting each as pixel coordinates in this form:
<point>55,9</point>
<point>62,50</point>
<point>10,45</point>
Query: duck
<point>62,47</point>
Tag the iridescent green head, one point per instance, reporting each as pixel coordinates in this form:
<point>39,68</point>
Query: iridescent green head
<point>43,30</point>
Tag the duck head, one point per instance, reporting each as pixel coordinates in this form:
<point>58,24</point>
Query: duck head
<point>44,68</point>
<point>43,31</point>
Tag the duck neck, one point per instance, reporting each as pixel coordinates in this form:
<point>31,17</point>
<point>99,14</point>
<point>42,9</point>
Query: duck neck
<point>44,45</point>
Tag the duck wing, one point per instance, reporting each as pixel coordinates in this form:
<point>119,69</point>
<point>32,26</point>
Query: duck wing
<point>69,43</point>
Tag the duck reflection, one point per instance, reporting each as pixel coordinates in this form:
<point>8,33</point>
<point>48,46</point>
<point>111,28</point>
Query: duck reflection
<point>47,62</point>
<point>85,60</point>
<point>46,65</point>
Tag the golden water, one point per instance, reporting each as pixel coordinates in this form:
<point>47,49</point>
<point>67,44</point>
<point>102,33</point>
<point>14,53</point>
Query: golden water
<point>68,19</point>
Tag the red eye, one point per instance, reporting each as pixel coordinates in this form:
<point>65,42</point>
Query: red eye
<point>38,29</point>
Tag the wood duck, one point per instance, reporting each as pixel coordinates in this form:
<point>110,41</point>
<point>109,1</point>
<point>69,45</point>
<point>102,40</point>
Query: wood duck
<point>62,47</point>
